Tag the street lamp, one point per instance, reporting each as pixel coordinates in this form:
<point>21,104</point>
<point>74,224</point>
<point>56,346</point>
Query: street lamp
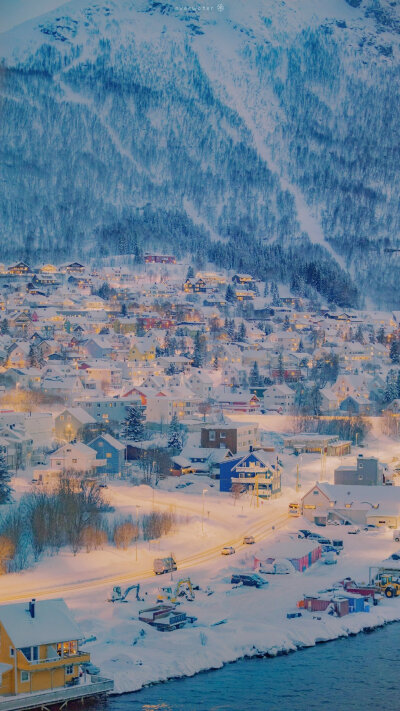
<point>137,527</point>
<point>202,516</point>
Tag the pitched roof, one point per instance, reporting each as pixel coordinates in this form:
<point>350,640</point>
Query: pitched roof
<point>52,623</point>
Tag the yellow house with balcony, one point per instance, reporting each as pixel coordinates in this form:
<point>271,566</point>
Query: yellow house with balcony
<point>39,648</point>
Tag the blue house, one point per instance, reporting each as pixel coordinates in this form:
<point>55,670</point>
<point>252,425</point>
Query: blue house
<point>110,449</point>
<point>250,471</point>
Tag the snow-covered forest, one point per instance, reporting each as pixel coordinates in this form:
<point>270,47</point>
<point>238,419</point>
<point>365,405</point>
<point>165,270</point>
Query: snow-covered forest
<point>258,137</point>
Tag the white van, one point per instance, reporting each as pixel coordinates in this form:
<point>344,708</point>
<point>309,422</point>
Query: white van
<point>396,535</point>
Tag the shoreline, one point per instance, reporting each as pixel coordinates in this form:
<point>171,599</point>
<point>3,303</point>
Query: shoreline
<point>326,634</point>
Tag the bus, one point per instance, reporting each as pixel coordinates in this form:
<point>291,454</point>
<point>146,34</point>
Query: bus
<point>294,510</point>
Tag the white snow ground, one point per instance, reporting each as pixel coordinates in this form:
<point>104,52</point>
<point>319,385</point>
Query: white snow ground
<point>253,621</point>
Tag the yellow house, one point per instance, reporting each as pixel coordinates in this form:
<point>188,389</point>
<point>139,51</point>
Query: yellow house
<point>39,647</point>
<point>142,352</point>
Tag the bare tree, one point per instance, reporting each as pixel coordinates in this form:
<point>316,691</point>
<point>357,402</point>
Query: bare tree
<point>125,533</point>
<point>7,551</point>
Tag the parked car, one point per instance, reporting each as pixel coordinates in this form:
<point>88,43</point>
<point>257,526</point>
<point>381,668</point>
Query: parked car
<point>252,580</point>
<point>332,523</point>
<point>353,530</point>
<point>396,535</point>
<point>304,533</point>
<point>330,558</point>
<point>228,550</point>
<point>330,549</point>
<point>249,540</point>
<point>180,486</point>
<point>370,527</point>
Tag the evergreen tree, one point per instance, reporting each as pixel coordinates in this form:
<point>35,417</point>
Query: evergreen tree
<point>242,332</point>
<point>301,347</point>
<point>395,352</point>
<point>190,273</point>
<point>380,336</point>
<point>254,379</point>
<point>359,334</point>
<point>372,338</point>
<point>5,478</point>
<point>123,309</point>
<point>35,357</point>
<point>215,363</point>
<point>281,369</point>
<point>390,393</point>
<point>174,434</point>
<point>230,296</point>
<point>266,290</point>
<point>286,323</point>
<point>198,351</point>
<point>231,328</point>
<point>4,326</point>
<point>133,427</point>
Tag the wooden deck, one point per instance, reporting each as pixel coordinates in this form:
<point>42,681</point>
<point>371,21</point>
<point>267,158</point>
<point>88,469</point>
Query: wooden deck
<point>45,699</point>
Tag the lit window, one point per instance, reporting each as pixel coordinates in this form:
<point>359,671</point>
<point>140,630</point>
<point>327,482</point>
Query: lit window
<point>24,676</point>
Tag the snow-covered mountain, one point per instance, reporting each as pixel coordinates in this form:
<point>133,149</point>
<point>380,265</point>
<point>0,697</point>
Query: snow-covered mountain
<point>263,134</point>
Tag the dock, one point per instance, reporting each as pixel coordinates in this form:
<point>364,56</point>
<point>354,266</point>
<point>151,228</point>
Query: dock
<point>44,700</point>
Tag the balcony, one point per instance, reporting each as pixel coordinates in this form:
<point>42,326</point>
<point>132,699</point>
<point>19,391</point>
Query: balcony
<point>45,699</point>
<point>52,662</point>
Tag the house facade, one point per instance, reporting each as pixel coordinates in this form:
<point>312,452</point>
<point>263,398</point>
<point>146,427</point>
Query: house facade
<point>39,647</point>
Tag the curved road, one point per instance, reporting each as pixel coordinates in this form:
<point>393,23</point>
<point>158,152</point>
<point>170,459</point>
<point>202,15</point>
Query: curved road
<point>261,529</point>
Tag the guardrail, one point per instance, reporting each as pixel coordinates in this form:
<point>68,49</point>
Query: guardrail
<point>37,700</point>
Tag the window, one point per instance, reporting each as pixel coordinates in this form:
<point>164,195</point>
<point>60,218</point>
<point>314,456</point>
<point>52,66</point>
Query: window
<point>108,455</point>
<point>315,492</point>
<point>223,435</point>
<point>211,436</point>
<point>24,676</point>
<point>12,652</point>
<point>26,651</point>
<point>69,669</point>
<point>74,461</point>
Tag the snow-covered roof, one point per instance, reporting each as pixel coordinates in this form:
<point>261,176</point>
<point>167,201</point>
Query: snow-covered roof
<point>52,623</point>
<point>80,414</point>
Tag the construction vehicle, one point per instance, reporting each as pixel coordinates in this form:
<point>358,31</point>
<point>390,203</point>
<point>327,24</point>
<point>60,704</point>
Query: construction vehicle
<point>183,588</point>
<point>119,596</point>
<point>164,565</point>
<point>388,583</point>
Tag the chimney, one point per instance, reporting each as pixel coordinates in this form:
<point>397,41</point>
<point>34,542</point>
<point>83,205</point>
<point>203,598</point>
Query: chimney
<point>251,448</point>
<point>32,608</point>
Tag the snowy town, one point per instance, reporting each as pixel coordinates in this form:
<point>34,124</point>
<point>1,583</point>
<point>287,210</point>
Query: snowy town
<point>191,451</point>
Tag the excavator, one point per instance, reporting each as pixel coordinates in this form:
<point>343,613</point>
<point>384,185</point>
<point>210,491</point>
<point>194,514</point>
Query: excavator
<point>184,588</point>
<point>119,596</point>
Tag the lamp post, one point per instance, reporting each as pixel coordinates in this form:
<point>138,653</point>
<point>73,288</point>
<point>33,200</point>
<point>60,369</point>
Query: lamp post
<point>137,529</point>
<point>202,516</point>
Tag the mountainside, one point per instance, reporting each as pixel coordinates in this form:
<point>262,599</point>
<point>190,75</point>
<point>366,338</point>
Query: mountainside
<point>262,135</point>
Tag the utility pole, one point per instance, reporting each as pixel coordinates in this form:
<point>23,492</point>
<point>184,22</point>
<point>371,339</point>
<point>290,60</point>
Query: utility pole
<point>137,529</point>
<point>202,515</point>
<point>297,478</point>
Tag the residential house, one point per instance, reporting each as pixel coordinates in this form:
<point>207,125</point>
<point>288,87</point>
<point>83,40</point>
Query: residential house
<point>235,437</point>
<point>39,647</point>
<point>110,410</point>
<point>77,458</point>
<point>253,471</point>
<point>279,398</point>
<point>113,451</point>
<point>367,471</point>
<point>360,504</point>
<point>68,423</point>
